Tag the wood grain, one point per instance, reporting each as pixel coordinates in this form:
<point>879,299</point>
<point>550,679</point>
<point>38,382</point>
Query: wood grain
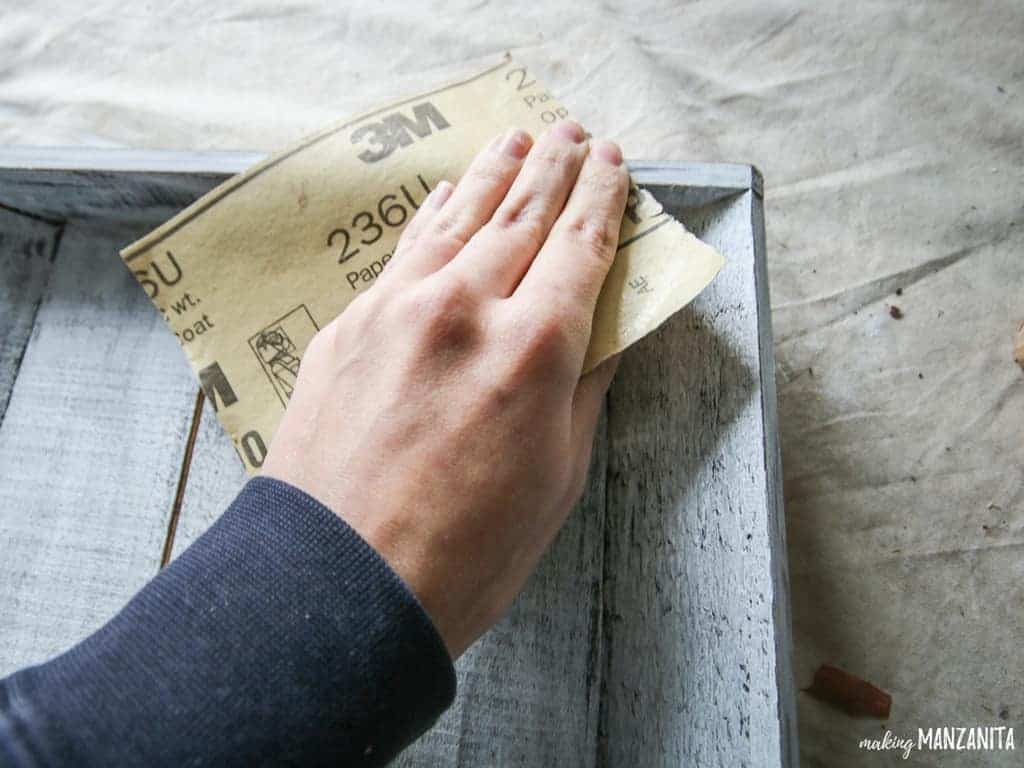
<point>28,245</point>
<point>153,185</point>
<point>215,477</point>
<point>90,451</point>
<point>692,585</point>
<point>656,631</point>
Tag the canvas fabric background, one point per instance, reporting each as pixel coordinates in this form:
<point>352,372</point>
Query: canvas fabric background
<point>891,138</point>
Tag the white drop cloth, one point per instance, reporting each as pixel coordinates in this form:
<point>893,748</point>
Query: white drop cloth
<point>891,138</point>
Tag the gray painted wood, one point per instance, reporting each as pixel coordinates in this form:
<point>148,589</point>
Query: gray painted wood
<point>27,249</point>
<point>215,476</point>
<point>90,451</point>
<point>656,631</point>
<point>697,644</point>
<point>127,185</point>
<point>153,185</point>
<point>774,502</point>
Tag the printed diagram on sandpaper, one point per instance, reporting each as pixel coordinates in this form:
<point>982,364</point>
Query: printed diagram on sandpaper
<point>279,347</point>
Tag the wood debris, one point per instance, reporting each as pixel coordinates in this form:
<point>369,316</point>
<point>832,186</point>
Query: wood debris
<point>849,693</point>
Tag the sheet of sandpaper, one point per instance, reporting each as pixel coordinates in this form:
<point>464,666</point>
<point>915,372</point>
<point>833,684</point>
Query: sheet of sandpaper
<point>248,274</point>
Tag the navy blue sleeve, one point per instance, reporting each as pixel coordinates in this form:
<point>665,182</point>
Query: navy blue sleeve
<point>279,637</point>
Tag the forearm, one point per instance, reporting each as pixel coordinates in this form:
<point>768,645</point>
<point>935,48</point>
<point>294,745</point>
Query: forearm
<point>280,636</point>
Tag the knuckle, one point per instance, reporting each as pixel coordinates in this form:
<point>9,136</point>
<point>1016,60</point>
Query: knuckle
<point>450,229</point>
<point>608,184</point>
<point>487,174</point>
<point>545,339</point>
<point>444,312</point>
<point>523,215</point>
<point>553,155</point>
<point>441,297</point>
<point>443,238</point>
<point>594,234</point>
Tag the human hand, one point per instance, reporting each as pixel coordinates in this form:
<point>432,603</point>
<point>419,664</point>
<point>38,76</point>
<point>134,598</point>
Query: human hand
<point>443,415</point>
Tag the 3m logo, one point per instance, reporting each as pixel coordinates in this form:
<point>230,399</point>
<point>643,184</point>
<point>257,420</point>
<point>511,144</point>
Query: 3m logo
<point>216,387</point>
<point>397,130</point>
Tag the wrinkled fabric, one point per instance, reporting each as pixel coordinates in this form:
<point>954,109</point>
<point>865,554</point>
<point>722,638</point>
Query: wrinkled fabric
<point>890,138</point>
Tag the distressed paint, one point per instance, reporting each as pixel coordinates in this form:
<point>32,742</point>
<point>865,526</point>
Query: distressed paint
<point>656,631</point>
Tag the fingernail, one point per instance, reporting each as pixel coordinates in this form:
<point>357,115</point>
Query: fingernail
<point>516,143</point>
<point>440,195</point>
<point>571,130</point>
<point>608,151</point>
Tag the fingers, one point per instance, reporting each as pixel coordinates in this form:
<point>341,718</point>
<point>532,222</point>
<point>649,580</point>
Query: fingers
<point>449,226</point>
<point>425,214</point>
<point>567,274</point>
<point>580,250</point>
<point>500,253</point>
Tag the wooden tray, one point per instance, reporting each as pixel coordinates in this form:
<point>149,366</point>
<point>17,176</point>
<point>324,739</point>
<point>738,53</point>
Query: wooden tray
<point>656,632</point>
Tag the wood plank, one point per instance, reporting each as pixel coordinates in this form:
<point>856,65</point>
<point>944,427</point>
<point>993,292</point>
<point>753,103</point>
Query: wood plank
<point>658,665</point>
<point>90,451</point>
<point>153,185</point>
<point>197,164</point>
<point>140,197</point>
<point>777,550</point>
<point>28,245</point>
<point>696,673</point>
<point>694,597</point>
<point>529,691</point>
<point>145,186</point>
